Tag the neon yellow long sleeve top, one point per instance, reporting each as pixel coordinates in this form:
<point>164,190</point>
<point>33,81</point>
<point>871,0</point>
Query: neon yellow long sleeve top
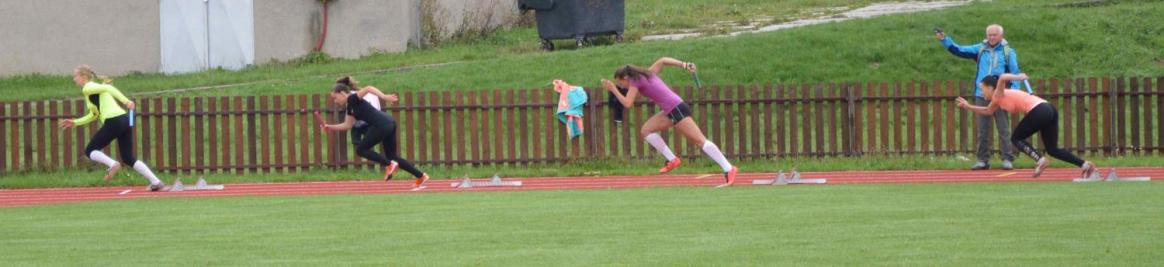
<point>101,102</point>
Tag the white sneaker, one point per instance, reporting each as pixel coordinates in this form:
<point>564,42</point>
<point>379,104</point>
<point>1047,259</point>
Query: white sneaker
<point>1007,165</point>
<point>1041,166</point>
<point>1088,169</point>
<point>112,171</point>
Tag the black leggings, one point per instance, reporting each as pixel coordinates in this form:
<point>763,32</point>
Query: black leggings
<point>114,128</point>
<point>385,135</point>
<point>358,130</point>
<point>1045,120</point>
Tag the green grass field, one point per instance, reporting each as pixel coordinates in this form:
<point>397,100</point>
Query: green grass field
<point>1051,224</point>
<point>1118,39</point>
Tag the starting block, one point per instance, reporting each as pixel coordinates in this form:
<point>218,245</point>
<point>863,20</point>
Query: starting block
<point>200,185</point>
<point>781,179</point>
<point>1111,177</point>
<point>494,182</point>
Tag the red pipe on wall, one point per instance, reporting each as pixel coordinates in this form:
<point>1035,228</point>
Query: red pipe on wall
<point>322,32</point>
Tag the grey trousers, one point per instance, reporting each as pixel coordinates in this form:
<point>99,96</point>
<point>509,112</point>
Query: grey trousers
<point>982,127</point>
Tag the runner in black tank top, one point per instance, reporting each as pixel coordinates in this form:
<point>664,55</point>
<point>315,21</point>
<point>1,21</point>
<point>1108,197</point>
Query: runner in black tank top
<point>381,128</point>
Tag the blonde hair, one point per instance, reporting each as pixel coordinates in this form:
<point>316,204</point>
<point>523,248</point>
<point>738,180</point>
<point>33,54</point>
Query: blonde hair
<point>89,74</point>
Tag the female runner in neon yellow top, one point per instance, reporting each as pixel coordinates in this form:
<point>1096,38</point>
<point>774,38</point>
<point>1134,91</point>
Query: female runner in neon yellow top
<point>102,103</point>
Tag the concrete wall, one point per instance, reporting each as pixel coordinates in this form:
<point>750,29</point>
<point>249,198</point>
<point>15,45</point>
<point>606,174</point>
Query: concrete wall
<point>53,36</point>
<point>361,27</point>
<point>502,11</point>
<point>284,29</point>
<point>122,36</point>
<point>452,13</point>
<point>289,29</point>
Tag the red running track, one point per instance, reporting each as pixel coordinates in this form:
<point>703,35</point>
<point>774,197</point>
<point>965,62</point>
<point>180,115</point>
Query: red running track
<point>32,197</point>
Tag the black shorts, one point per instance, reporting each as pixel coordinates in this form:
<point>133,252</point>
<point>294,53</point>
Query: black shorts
<point>679,113</point>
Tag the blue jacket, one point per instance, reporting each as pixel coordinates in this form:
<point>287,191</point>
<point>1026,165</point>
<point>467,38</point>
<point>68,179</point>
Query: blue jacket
<point>992,61</point>
<point>577,98</point>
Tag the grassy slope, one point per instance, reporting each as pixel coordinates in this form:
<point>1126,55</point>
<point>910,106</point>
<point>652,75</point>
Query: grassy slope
<point>1121,39</point>
<point>656,16</point>
<point>965,224</point>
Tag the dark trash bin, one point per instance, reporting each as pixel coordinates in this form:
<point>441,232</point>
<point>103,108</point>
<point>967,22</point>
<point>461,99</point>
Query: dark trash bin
<point>576,19</point>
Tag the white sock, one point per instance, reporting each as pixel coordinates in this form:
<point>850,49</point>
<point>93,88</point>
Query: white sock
<point>657,141</point>
<point>100,157</point>
<point>144,170</point>
<point>713,151</point>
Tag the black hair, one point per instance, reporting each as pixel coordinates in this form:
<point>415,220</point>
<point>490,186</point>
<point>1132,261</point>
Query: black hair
<point>631,72</point>
<point>991,80</point>
<point>344,85</point>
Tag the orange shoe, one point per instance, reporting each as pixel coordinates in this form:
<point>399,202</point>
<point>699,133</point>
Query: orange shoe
<point>730,177</point>
<point>1041,166</point>
<point>391,168</point>
<point>671,165</point>
<point>420,182</point>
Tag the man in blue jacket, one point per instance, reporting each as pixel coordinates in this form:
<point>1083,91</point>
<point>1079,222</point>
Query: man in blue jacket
<point>994,57</point>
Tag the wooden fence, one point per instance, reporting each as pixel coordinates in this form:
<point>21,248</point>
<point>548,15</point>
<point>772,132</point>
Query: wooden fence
<point>276,133</point>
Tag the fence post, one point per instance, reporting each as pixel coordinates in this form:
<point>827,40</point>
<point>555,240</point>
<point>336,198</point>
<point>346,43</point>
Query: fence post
<point>850,122</point>
<point>1159,115</point>
<point>1112,123</point>
<point>591,136</point>
<point>3,141</point>
<point>1118,140</point>
<point>27,124</point>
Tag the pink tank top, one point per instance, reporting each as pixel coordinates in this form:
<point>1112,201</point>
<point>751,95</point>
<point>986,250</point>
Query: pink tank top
<point>1018,101</point>
<point>654,89</point>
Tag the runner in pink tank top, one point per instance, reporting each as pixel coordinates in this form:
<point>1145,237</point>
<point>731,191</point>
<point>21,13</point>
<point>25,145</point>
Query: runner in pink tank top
<point>654,89</point>
<point>1040,117</point>
<point>675,113</point>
